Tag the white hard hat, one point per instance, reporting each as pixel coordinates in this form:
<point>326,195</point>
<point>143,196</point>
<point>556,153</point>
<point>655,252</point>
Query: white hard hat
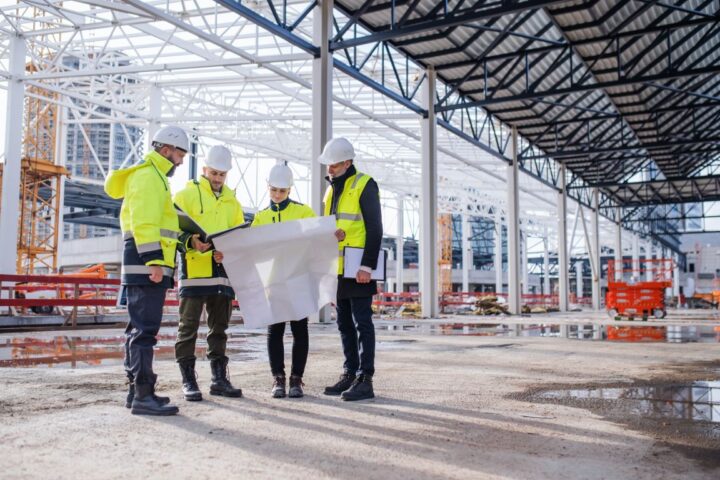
<point>219,158</point>
<point>337,150</point>
<point>280,176</point>
<point>173,136</point>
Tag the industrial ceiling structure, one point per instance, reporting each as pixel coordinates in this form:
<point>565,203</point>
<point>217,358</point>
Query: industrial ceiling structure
<point>613,103</point>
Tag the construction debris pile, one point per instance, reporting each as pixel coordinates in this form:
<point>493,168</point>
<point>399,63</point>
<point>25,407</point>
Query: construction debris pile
<point>490,306</point>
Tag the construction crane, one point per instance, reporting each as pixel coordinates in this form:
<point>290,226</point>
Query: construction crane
<point>40,177</point>
<point>40,199</point>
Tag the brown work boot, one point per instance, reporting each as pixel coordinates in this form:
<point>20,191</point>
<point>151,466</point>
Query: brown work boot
<point>278,388</point>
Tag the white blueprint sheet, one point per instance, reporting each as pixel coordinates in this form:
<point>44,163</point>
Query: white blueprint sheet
<point>283,271</point>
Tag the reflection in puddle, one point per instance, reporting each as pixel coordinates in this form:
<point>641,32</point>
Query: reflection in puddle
<point>78,351</point>
<point>579,331</point>
<point>698,401</point>
<point>473,329</point>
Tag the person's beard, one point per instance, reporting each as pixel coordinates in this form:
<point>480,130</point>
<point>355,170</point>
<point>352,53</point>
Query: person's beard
<point>338,174</point>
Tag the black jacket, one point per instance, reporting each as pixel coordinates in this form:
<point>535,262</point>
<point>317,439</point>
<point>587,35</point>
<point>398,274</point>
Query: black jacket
<point>372,216</point>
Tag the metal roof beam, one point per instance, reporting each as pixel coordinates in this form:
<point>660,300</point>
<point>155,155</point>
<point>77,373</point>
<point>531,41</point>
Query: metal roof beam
<point>479,11</point>
<point>660,29</point>
<point>714,69</point>
<point>592,149</point>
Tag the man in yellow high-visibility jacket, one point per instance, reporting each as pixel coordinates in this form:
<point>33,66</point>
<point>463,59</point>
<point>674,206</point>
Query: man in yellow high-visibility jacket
<point>203,281</point>
<point>150,232</point>
<point>354,199</point>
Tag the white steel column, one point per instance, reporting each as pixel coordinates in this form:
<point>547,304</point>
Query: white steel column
<point>546,263</point>
<point>649,266</point>
<point>61,159</point>
<point>14,113</point>
<point>155,110</point>
<point>428,203</point>
<point>389,285</point>
<point>676,276</point>
<point>524,263</point>
<point>595,263</point>
<point>513,228</point>
<point>399,247</point>
<point>467,253</point>
<point>497,250</point>
<point>635,257</point>
<point>322,69</point>
<point>321,99</point>
<point>579,276</point>
<point>563,281</point>
<point>618,248</point>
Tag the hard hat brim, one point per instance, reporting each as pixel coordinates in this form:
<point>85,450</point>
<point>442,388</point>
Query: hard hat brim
<point>323,161</point>
<point>216,168</point>
<point>327,161</point>
<point>277,184</point>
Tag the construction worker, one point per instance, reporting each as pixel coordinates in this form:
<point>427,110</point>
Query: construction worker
<point>203,281</point>
<point>353,197</point>
<point>150,232</point>
<point>282,209</point>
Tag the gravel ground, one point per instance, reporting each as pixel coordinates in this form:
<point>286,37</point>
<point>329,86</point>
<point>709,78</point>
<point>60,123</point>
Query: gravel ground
<point>447,407</point>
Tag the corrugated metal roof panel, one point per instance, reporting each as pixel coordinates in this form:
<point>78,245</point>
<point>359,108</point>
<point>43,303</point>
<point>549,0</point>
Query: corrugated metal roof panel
<point>646,54</point>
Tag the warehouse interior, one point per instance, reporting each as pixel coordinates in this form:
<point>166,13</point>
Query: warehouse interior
<point>541,163</point>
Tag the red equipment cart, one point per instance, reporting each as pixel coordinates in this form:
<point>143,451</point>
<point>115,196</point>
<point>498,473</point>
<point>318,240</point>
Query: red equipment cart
<point>638,290</point>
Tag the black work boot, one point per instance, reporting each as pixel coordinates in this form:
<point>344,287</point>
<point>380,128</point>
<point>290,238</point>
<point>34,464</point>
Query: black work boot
<point>296,385</point>
<point>361,389</point>
<point>131,395</point>
<point>346,380</point>
<point>220,383</point>
<point>189,381</point>
<point>278,388</point>
<point>145,403</point>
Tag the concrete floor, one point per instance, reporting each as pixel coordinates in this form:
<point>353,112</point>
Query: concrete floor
<point>447,407</point>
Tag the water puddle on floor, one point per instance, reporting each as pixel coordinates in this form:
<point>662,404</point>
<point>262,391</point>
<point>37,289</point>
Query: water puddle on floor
<point>76,351</point>
<point>471,329</point>
<point>579,331</point>
<point>683,416</point>
<point>696,401</point>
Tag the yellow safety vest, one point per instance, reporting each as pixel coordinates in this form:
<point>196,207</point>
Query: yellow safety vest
<point>348,214</point>
<point>147,218</point>
<point>291,211</point>
<point>213,213</point>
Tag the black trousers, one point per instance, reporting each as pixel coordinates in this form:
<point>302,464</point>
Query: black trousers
<point>145,307</point>
<point>357,332</point>
<point>276,348</point>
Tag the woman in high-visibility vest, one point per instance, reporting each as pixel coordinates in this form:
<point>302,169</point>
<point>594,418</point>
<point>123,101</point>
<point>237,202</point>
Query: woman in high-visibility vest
<point>283,209</point>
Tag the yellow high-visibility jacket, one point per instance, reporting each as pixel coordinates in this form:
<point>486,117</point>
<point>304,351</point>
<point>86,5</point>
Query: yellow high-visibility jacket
<point>282,212</point>
<point>200,274</point>
<point>348,214</point>
<point>147,218</point>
